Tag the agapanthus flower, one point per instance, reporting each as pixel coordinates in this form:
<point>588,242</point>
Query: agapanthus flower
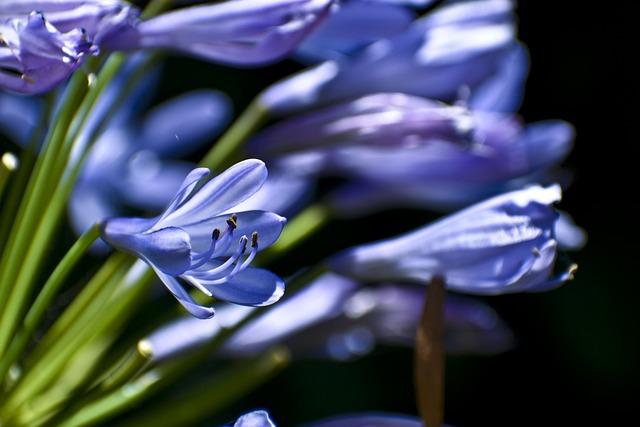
<point>461,44</point>
<point>435,155</point>
<point>502,245</point>
<point>35,57</point>
<point>241,32</point>
<point>337,318</point>
<point>194,241</point>
<point>96,18</point>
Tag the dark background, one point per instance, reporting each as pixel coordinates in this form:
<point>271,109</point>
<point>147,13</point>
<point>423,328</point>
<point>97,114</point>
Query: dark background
<point>576,362</point>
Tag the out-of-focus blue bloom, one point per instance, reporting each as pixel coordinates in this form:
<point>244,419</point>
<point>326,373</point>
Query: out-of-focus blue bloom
<point>354,26</point>
<point>35,57</point>
<point>194,241</point>
<point>335,317</point>
<point>242,32</point>
<point>129,164</point>
<point>258,418</point>
<point>434,155</point>
<point>502,245</point>
<point>457,45</point>
<point>18,116</point>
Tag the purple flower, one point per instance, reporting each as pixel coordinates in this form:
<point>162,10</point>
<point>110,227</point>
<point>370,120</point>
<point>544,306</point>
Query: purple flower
<point>502,245</point>
<point>242,32</point>
<point>435,155</point>
<point>196,242</point>
<point>35,57</point>
<point>96,18</point>
<point>335,317</point>
<point>458,45</point>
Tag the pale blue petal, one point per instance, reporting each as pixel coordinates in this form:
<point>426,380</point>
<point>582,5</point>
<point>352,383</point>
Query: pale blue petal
<point>183,297</point>
<point>184,192</point>
<point>167,249</point>
<point>254,287</point>
<point>220,194</point>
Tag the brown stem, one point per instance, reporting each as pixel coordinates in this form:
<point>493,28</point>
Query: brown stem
<point>429,356</point>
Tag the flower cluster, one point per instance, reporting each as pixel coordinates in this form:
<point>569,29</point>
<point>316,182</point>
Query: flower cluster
<point>105,197</point>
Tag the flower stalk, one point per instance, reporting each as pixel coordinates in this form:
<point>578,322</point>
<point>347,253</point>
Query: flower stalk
<point>429,356</point>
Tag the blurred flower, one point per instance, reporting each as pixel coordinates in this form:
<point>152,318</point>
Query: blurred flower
<point>502,245</point>
<point>18,116</point>
<point>194,241</point>
<point>130,164</point>
<point>335,317</point>
<point>435,155</point>
<point>36,57</point>
<point>242,32</point>
<point>462,44</point>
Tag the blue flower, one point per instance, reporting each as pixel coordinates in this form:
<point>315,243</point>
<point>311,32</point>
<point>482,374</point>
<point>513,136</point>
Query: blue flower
<point>35,57</point>
<point>435,155</point>
<point>196,240</point>
<point>338,318</point>
<point>461,44</point>
<point>96,18</point>
<point>502,245</point>
<point>243,32</point>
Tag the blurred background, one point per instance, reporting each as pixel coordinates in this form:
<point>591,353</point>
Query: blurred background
<point>577,357</point>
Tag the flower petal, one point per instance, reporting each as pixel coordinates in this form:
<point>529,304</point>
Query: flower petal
<point>183,297</point>
<point>226,190</point>
<point>185,190</point>
<point>254,287</point>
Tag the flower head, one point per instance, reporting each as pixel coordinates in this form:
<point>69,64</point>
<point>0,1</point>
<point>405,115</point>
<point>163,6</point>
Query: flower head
<point>196,240</point>
<point>35,57</point>
<point>461,44</point>
<point>243,32</point>
<point>505,244</point>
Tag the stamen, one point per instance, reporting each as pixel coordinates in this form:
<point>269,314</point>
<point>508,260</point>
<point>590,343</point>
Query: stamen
<point>242,247</point>
<point>193,282</point>
<point>233,222</point>
<point>206,255</point>
<point>254,251</point>
<point>220,243</point>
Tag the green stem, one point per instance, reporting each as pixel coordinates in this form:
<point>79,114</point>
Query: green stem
<point>205,398</point>
<point>155,7</point>
<point>429,356</point>
<point>102,320</point>
<point>171,371</point>
<point>49,290</point>
<point>226,151</point>
<point>30,213</point>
